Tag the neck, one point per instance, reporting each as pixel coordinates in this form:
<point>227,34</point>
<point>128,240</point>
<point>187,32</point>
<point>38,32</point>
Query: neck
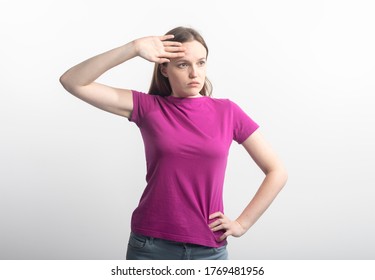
<point>186,96</point>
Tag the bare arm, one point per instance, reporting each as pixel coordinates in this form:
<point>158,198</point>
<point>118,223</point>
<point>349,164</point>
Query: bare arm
<point>274,181</point>
<point>80,79</point>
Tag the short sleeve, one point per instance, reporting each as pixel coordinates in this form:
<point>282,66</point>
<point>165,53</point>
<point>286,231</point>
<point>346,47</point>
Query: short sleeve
<point>142,104</point>
<point>243,124</point>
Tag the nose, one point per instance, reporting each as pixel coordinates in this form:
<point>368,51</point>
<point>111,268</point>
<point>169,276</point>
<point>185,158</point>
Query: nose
<point>193,72</point>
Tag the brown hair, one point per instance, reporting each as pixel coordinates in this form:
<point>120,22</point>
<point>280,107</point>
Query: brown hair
<point>159,84</point>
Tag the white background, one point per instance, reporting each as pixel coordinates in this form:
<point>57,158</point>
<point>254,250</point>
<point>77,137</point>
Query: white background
<point>71,175</point>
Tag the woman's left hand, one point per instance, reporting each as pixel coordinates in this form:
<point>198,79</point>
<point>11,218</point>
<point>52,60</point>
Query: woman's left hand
<point>229,227</point>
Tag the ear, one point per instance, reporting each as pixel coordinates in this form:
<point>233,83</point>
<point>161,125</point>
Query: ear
<point>163,69</point>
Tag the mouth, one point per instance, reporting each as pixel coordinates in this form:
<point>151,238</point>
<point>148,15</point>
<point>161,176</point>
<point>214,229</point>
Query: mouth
<point>194,84</point>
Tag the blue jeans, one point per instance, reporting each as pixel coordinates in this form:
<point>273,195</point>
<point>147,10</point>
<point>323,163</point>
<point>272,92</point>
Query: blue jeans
<point>142,247</point>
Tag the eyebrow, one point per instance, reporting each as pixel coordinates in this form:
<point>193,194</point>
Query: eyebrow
<point>185,60</point>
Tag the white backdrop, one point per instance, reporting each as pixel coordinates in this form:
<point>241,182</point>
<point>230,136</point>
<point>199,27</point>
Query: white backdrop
<point>71,175</point>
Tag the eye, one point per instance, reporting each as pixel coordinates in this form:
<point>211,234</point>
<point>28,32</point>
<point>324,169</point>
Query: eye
<point>202,63</point>
<point>182,65</point>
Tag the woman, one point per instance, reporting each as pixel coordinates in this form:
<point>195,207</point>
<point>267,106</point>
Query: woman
<point>187,135</point>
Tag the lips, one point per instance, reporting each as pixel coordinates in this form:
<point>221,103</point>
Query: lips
<point>194,84</point>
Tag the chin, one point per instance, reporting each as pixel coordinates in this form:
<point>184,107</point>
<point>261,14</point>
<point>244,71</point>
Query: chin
<point>193,95</point>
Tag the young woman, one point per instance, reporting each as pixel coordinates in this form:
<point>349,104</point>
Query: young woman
<point>187,135</point>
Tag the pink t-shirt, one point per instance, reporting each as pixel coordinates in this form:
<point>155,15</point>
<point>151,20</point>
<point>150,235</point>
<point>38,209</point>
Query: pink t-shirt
<point>186,145</point>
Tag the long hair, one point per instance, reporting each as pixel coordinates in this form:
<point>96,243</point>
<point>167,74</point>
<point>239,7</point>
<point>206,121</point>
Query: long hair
<point>159,84</point>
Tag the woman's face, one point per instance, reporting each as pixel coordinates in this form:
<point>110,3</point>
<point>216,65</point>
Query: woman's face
<point>187,74</point>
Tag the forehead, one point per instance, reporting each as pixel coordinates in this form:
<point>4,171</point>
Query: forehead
<point>194,50</point>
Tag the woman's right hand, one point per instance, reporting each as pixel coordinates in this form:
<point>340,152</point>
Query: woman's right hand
<point>158,49</point>
<point>80,79</point>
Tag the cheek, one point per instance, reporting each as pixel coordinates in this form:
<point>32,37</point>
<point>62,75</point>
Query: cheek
<point>202,71</point>
<point>176,80</point>
<point>178,76</point>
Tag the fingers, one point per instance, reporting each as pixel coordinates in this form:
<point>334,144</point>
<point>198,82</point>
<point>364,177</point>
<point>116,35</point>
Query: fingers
<point>162,50</point>
<point>221,222</point>
<point>166,43</point>
<point>172,49</point>
<point>173,52</point>
<point>224,236</point>
<point>223,225</point>
<point>217,225</point>
<point>172,43</point>
<point>165,57</point>
<point>166,37</point>
<point>175,49</point>
<point>216,215</point>
<point>159,49</point>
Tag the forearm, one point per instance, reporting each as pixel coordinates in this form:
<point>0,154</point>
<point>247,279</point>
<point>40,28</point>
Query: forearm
<point>89,70</point>
<point>268,190</point>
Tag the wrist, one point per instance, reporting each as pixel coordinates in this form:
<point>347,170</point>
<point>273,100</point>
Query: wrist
<point>130,49</point>
<point>242,224</point>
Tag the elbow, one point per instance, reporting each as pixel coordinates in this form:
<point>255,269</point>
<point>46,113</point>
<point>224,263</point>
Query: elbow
<point>282,175</point>
<point>65,81</point>
<point>279,175</point>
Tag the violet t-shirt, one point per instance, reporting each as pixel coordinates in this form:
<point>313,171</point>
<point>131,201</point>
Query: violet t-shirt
<point>186,144</point>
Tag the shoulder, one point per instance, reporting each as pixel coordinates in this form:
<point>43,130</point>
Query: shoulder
<point>232,108</point>
<point>146,99</point>
<point>225,104</point>
<point>143,95</point>
<point>143,104</point>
